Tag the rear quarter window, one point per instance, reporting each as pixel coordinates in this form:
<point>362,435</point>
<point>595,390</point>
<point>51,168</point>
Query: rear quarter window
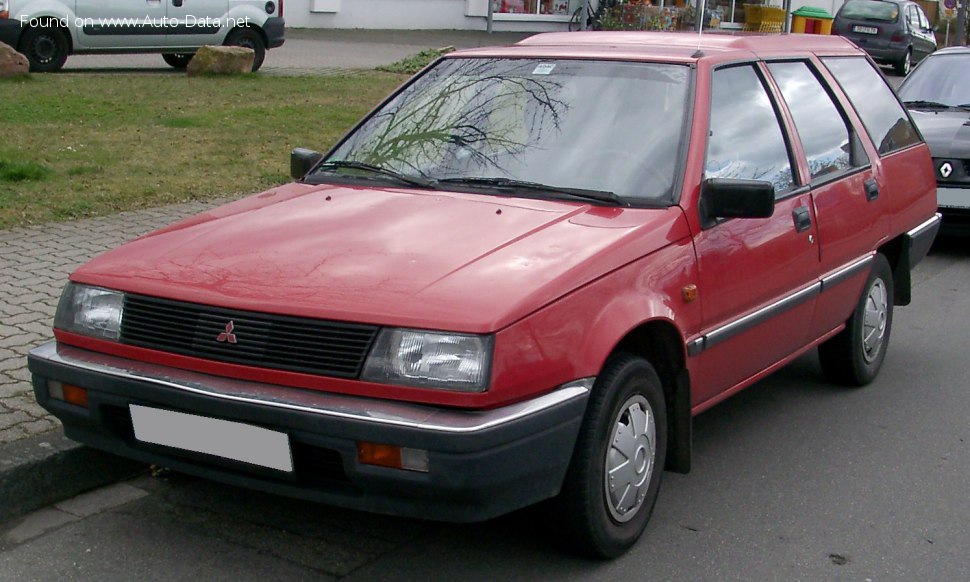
<point>886,121</point>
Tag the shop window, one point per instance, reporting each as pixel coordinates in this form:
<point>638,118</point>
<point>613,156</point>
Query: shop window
<point>545,7</point>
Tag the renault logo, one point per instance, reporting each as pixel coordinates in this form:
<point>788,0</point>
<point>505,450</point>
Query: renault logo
<point>946,169</point>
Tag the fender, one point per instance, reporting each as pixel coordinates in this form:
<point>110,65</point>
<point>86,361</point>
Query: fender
<point>37,9</point>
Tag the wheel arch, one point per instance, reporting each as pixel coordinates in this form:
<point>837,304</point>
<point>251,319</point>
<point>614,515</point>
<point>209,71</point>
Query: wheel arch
<point>54,18</point>
<point>661,343</point>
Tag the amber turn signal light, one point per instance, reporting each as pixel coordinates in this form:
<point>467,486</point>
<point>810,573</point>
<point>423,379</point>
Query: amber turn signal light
<point>68,393</point>
<point>392,456</point>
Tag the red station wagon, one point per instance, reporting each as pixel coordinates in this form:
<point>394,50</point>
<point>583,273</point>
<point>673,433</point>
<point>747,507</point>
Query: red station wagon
<point>517,279</point>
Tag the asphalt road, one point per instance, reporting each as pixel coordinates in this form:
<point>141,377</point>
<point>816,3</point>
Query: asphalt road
<point>793,479</point>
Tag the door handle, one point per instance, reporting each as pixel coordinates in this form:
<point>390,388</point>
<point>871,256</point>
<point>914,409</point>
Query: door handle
<point>803,218</point>
<point>872,190</point>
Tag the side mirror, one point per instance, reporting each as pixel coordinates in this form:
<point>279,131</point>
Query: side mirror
<point>302,161</point>
<point>732,198</point>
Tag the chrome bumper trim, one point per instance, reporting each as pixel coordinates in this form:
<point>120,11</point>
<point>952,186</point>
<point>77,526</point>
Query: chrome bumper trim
<point>383,412</point>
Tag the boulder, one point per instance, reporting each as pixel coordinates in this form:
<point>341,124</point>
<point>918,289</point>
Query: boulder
<point>221,60</point>
<point>12,63</point>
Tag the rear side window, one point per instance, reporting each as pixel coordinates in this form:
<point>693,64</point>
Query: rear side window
<point>823,132</point>
<point>746,141</point>
<point>884,118</point>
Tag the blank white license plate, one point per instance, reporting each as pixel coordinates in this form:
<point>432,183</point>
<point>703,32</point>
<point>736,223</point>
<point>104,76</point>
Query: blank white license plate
<point>866,29</point>
<point>222,438</point>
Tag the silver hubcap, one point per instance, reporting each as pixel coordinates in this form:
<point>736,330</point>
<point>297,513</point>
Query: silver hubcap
<point>630,458</point>
<point>875,320</point>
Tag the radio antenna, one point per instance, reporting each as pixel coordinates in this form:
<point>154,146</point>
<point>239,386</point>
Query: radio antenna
<point>701,7</point>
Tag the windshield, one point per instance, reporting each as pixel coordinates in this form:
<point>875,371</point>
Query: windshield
<point>871,10</point>
<point>936,80</point>
<point>610,127</point>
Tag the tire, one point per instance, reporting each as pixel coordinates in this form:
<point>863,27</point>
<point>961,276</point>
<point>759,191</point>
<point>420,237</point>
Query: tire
<point>855,355</point>
<point>178,60</point>
<point>46,49</point>
<point>249,38</point>
<point>602,509</point>
<point>903,67</point>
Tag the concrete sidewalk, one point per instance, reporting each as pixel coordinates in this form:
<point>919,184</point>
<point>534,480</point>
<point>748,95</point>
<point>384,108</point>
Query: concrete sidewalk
<point>37,464</point>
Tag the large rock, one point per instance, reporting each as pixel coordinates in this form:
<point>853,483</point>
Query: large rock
<point>221,60</point>
<point>12,63</point>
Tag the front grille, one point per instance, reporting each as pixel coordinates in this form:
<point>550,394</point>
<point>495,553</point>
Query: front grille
<point>959,172</point>
<point>326,348</point>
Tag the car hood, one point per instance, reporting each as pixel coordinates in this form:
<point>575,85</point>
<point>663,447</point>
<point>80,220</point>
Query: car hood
<point>947,132</point>
<point>428,259</point>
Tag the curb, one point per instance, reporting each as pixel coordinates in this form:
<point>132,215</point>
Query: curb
<point>44,469</point>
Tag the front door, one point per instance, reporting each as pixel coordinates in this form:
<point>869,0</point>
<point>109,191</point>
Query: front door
<point>758,276</point>
<point>198,22</point>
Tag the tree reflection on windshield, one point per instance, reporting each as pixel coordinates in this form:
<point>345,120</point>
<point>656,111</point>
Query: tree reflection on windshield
<point>604,126</point>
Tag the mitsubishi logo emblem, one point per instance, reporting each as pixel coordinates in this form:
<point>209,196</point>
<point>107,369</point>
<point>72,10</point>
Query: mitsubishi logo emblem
<point>228,335</point>
<point>946,169</point>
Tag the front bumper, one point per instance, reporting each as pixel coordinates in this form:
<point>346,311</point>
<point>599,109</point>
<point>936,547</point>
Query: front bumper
<point>275,30</point>
<point>481,463</point>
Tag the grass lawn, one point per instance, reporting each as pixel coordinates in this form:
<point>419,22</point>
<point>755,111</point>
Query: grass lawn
<point>76,145</point>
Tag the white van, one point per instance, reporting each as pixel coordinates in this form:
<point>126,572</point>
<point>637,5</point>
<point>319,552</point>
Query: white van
<point>47,31</point>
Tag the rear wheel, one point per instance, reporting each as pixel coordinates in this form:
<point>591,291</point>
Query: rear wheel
<point>178,60</point>
<point>614,477</point>
<point>45,48</point>
<point>855,355</point>
<point>905,64</point>
<point>249,38</point>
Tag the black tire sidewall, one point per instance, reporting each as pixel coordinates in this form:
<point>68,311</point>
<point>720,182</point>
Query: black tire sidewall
<point>57,36</point>
<point>867,371</point>
<point>177,60</point>
<point>259,47</point>
<point>588,519</point>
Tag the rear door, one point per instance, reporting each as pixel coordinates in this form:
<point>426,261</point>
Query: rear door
<point>111,24</point>
<point>758,276</point>
<point>852,212</point>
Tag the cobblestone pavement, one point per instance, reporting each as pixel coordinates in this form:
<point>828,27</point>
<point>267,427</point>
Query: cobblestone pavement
<point>34,265</point>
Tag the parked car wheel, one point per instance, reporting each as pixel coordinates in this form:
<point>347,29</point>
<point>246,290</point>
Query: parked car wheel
<point>613,480</point>
<point>45,48</point>
<point>178,60</point>
<point>854,356</point>
<point>903,67</point>
<point>249,38</point>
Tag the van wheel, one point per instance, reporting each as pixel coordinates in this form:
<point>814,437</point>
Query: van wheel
<point>178,60</point>
<point>903,66</point>
<point>248,38</point>
<point>614,477</point>
<point>854,356</point>
<point>45,48</point>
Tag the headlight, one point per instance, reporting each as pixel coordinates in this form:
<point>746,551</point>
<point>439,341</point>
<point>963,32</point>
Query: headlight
<point>428,359</point>
<point>90,311</point>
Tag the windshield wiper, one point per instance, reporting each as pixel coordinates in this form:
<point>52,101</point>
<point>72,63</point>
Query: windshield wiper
<point>354,165</point>
<point>510,184</point>
<point>927,104</point>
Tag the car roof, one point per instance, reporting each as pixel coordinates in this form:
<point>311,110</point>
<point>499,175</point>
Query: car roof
<point>953,50</point>
<point>667,46</point>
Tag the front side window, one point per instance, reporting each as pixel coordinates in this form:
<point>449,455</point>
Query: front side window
<point>885,119</point>
<point>603,126</point>
<point>746,141</point>
<point>823,132</point>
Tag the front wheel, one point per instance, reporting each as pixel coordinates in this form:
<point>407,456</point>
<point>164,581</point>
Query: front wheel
<point>45,48</point>
<point>251,39</point>
<point>614,477</point>
<point>855,355</point>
